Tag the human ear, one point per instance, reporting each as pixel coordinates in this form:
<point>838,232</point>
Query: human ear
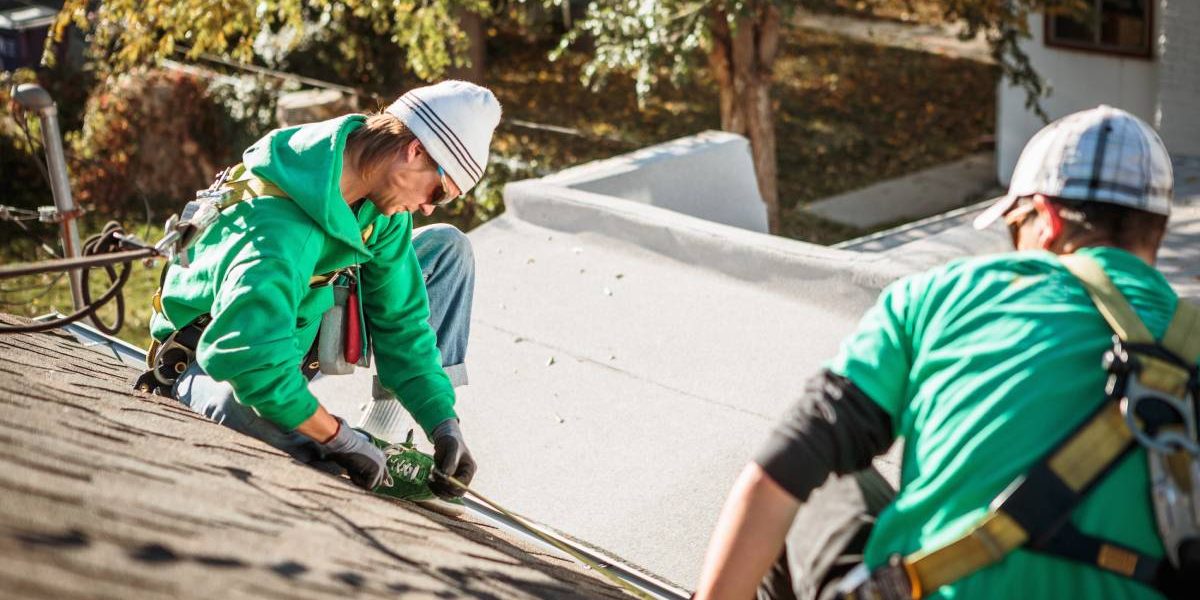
<point>414,150</point>
<point>1052,224</point>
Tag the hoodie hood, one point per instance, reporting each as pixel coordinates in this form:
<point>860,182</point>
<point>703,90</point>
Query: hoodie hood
<point>305,161</point>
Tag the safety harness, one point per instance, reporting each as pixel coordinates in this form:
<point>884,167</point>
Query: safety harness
<point>335,351</point>
<point>1152,392</point>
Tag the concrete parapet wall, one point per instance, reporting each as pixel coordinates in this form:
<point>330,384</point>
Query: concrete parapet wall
<point>310,106</point>
<point>709,175</point>
<point>848,281</point>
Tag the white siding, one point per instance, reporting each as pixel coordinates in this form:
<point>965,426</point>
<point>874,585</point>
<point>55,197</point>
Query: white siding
<point>1078,80</point>
<point>1179,76</point>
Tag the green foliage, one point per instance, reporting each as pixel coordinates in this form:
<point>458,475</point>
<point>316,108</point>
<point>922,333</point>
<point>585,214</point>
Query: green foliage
<point>641,37</point>
<point>656,39</point>
<point>151,138</point>
<point>22,184</point>
<point>125,34</point>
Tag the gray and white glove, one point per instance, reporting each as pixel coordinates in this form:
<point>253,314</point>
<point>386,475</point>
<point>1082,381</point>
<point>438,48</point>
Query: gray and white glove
<point>354,451</point>
<point>450,456</point>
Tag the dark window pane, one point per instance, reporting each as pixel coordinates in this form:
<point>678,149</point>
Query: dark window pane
<point>1072,29</point>
<point>1123,24</point>
<point>1119,26</point>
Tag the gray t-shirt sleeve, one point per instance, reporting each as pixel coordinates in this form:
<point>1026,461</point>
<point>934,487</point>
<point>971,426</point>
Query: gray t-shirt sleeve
<point>833,428</point>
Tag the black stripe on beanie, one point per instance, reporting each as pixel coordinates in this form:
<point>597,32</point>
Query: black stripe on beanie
<point>433,128</point>
<point>449,130</point>
<point>445,134</point>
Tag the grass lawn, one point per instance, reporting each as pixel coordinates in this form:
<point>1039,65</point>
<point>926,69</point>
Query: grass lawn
<point>848,114</point>
<point>36,295</point>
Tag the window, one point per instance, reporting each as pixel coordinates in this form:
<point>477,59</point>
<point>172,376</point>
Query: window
<point>1110,26</point>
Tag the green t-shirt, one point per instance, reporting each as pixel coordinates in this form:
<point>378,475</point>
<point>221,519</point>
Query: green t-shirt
<point>984,365</point>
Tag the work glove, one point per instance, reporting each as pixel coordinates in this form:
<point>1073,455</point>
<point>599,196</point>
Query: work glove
<point>450,456</point>
<point>353,451</point>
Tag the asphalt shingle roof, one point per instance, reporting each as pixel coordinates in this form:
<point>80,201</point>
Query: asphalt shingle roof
<point>107,493</point>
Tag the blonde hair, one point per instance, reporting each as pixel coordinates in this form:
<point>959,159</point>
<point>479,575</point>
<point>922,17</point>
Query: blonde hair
<point>378,141</point>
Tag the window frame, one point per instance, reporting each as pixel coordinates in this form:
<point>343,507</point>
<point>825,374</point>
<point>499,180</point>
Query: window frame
<point>1146,53</point>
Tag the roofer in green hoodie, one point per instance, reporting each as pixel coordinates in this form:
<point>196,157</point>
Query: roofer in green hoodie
<point>333,202</point>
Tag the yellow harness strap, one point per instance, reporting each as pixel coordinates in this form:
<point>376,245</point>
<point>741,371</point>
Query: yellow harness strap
<point>1182,336</point>
<point>1078,462</point>
<point>247,186</point>
<point>1108,299</point>
<point>1081,458</point>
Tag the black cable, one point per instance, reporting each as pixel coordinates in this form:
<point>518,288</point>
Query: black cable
<point>105,242</point>
<point>75,316</point>
<point>101,250</point>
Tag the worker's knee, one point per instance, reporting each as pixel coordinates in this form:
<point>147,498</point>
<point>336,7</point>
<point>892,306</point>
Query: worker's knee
<point>209,397</point>
<point>443,245</point>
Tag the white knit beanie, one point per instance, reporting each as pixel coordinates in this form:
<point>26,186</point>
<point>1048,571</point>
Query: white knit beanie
<point>454,120</point>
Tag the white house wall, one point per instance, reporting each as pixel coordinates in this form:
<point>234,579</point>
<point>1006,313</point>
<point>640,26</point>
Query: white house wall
<point>1078,80</point>
<point>1179,76</point>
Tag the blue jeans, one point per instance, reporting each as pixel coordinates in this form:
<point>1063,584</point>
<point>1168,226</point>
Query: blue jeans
<point>448,266</point>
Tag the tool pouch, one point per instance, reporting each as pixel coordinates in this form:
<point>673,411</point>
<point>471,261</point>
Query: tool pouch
<point>342,342</point>
<point>167,360</point>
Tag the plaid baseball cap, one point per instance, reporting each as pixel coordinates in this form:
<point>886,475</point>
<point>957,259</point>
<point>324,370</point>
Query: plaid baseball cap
<point>1102,154</point>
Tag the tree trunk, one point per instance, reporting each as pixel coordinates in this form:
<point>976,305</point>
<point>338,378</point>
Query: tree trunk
<point>742,59</point>
<point>472,26</point>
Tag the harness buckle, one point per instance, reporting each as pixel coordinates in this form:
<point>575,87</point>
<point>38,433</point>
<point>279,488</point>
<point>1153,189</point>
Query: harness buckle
<point>1161,421</point>
<point>1165,424</point>
<point>893,581</point>
<point>184,229</point>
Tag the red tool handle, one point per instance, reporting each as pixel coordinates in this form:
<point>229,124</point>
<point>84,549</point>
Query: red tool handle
<point>353,351</point>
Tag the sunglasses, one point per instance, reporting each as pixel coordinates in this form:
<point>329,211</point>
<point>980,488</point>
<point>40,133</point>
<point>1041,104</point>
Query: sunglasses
<point>441,196</point>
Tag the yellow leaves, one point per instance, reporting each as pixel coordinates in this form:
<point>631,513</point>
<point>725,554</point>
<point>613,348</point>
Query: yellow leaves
<point>126,34</point>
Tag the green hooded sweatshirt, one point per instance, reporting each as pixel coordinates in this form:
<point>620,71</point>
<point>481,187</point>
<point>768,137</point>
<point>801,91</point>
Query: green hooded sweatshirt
<point>250,271</point>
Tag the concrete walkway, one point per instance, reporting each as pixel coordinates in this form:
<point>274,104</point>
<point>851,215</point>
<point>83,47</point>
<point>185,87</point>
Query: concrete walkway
<point>935,39</point>
<point>929,192</point>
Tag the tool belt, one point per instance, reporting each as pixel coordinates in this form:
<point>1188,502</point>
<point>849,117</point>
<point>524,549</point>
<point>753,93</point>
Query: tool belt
<point>342,341</point>
<point>169,359</point>
<point>1152,390</point>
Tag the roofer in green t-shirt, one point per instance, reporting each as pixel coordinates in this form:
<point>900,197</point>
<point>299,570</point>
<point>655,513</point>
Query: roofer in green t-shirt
<point>313,231</point>
<point>1028,452</point>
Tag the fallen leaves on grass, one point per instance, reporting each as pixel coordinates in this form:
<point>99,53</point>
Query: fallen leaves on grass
<point>848,114</point>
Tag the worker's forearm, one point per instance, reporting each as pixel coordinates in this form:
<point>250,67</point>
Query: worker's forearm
<point>748,538</point>
<point>320,427</point>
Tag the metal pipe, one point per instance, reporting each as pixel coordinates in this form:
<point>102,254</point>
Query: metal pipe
<point>33,97</point>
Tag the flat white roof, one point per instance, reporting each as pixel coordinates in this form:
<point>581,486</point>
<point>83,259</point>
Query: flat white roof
<point>627,360</point>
